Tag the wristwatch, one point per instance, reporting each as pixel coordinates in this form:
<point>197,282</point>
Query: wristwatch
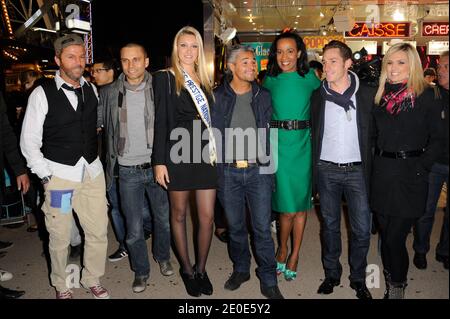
<point>46,179</point>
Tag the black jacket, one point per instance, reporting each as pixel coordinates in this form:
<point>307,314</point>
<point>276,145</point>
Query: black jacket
<point>222,113</point>
<point>399,187</point>
<point>364,105</point>
<point>8,148</point>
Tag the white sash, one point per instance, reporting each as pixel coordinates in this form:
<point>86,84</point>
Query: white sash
<point>201,103</point>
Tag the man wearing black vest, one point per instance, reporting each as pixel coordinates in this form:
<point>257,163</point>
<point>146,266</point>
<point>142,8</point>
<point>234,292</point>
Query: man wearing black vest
<point>59,142</point>
<point>341,119</point>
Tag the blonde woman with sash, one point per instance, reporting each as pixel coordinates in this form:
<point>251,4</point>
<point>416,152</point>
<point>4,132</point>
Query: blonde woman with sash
<point>184,162</point>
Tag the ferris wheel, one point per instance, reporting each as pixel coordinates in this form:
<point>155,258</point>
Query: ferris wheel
<point>39,22</point>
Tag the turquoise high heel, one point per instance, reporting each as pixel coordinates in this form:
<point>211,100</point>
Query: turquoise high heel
<point>289,275</point>
<point>281,267</point>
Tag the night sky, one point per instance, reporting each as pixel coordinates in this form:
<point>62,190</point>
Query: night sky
<point>152,24</point>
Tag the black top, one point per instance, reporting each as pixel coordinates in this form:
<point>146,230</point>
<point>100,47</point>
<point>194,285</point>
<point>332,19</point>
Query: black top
<point>399,186</point>
<point>69,134</point>
<point>174,111</point>
<point>443,158</point>
<point>8,148</point>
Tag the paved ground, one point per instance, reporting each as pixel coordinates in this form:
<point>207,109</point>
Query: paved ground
<point>31,272</point>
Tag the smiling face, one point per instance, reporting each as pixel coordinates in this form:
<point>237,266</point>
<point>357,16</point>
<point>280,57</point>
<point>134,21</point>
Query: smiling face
<point>244,68</point>
<point>397,67</point>
<point>287,55</point>
<point>133,62</point>
<point>334,66</point>
<point>188,49</point>
<point>71,63</point>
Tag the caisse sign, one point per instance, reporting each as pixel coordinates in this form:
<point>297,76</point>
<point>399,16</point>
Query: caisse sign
<point>379,30</point>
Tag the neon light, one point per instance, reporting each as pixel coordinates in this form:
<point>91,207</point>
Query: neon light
<point>439,29</point>
<point>379,30</point>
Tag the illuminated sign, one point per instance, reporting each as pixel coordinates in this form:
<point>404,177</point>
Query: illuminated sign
<point>437,47</point>
<point>318,42</point>
<point>379,30</point>
<point>388,44</point>
<point>261,53</point>
<point>439,29</point>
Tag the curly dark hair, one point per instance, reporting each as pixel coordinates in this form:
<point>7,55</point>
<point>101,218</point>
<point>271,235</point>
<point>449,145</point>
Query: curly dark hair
<point>302,62</point>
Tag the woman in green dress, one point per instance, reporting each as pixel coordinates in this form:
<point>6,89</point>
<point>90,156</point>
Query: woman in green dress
<point>291,84</point>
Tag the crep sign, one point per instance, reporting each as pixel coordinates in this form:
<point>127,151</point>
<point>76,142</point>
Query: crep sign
<point>435,29</point>
<point>379,30</point>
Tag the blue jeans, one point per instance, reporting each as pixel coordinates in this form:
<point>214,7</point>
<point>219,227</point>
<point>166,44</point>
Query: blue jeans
<point>334,181</point>
<point>134,184</point>
<point>239,186</point>
<point>117,216</point>
<point>438,176</point>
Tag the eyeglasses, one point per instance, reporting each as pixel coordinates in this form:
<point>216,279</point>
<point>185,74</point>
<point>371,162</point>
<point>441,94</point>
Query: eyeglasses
<point>93,71</point>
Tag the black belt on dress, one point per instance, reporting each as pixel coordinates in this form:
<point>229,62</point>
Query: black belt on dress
<point>343,164</point>
<point>290,124</point>
<point>140,166</point>
<point>242,164</point>
<point>399,154</point>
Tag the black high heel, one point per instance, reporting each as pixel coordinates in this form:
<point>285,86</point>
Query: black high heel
<point>204,283</point>
<point>191,284</point>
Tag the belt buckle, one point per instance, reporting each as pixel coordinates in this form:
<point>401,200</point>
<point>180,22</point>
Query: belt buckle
<point>401,154</point>
<point>241,164</point>
<point>288,125</point>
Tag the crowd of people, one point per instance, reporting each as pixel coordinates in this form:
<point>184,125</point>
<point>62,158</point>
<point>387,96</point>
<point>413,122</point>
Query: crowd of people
<point>144,143</point>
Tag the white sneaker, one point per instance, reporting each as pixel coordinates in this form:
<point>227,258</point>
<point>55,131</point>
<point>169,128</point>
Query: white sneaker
<point>273,227</point>
<point>5,275</point>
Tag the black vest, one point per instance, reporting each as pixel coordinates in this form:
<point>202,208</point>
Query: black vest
<point>69,134</point>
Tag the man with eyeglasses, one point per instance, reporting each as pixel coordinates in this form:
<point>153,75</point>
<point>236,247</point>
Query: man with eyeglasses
<point>103,72</point>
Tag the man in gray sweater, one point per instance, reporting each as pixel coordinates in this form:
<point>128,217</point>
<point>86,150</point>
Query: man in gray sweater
<point>128,120</point>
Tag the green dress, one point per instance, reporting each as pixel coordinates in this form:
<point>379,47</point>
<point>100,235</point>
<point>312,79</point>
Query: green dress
<point>291,96</point>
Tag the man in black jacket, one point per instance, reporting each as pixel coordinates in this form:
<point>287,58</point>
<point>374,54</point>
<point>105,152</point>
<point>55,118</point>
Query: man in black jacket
<point>242,113</point>
<point>9,150</point>
<point>341,120</point>
<point>438,176</point>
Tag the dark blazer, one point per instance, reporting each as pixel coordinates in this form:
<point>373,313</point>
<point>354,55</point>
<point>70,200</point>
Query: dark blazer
<point>222,112</point>
<point>364,105</point>
<point>8,148</point>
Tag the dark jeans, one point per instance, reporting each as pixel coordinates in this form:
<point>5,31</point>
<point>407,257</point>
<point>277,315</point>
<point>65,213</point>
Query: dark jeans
<point>220,220</point>
<point>241,186</point>
<point>117,217</point>
<point>334,181</point>
<point>438,176</point>
<point>394,231</point>
<point>134,184</point>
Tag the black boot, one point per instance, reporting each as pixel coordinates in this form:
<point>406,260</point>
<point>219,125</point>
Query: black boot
<point>395,290</point>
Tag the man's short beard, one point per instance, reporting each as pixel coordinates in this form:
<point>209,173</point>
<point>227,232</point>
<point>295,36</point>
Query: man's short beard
<point>71,75</point>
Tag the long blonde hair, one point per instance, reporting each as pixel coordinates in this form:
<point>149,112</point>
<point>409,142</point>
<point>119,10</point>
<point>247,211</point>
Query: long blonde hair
<point>416,82</point>
<point>200,65</point>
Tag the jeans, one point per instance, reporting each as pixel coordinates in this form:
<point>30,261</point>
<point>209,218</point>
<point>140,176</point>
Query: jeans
<point>134,184</point>
<point>239,186</point>
<point>117,216</point>
<point>333,181</point>
<point>438,176</point>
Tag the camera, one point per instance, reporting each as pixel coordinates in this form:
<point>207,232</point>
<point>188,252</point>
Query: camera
<point>367,67</point>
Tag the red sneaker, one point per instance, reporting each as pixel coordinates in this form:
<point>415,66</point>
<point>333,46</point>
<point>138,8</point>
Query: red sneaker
<point>66,294</point>
<point>99,292</point>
